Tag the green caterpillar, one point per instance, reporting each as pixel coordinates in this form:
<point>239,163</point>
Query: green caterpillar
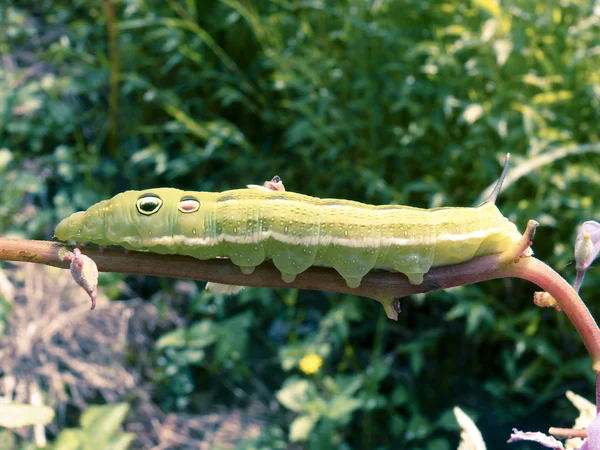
<point>294,231</point>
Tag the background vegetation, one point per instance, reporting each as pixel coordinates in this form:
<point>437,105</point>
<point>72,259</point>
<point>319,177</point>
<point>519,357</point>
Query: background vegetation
<point>385,101</point>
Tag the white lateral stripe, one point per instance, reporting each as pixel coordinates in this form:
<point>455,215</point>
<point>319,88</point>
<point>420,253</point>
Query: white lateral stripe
<point>308,240</point>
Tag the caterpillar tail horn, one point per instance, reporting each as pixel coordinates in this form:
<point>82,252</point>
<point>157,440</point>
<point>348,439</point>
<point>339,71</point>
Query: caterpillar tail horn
<point>494,195</point>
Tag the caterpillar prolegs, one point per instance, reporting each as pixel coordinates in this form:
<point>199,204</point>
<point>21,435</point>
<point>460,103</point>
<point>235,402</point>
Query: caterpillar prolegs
<point>295,231</point>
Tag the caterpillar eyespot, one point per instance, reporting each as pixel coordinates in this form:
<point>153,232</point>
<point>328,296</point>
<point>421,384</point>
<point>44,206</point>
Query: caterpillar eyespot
<point>188,204</point>
<point>148,204</point>
<point>295,231</point>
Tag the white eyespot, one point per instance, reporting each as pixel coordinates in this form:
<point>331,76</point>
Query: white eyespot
<point>188,204</point>
<point>148,204</point>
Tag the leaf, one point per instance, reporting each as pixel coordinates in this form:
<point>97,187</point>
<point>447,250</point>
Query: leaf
<point>300,428</point>
<point>551,97</point>
<point>472,113</point>
<point>15,415</point>
<point>341,406</point>
<point>7,440</point>
<point>5,157</point>
<point>100,423</point>
<point>438,444</point>
<point>418,428</point>
<point>492,7</point>
<point>397,425</point>
<point>416,361</point>
<point>202,334</point>
<point>175,338</point>
<point>121,442</point>
<point>400,395</point>
<point>479,315</point>
<point>70,439</point>
<point>295,394</point>
<point>502,48</point>
<point>232,337</point>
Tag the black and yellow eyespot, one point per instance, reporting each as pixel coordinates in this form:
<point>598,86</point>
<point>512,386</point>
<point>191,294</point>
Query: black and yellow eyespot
<point>148,204</point>
<point>188,204</point>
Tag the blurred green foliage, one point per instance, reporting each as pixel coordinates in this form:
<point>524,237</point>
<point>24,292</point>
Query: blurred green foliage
<point>99,430</point>
<point>383,101</point>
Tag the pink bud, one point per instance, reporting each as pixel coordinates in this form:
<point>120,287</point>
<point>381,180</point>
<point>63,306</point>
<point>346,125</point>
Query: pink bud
<point>84,272</point>
<point>587,244</point>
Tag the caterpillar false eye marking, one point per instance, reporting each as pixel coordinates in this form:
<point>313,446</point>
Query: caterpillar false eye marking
<point>148,204</point>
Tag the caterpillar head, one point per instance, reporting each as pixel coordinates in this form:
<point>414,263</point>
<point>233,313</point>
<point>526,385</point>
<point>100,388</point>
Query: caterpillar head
<point>131,217</point>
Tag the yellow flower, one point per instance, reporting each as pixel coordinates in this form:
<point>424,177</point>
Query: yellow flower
<point>311,364</point>
<point>586,202</point>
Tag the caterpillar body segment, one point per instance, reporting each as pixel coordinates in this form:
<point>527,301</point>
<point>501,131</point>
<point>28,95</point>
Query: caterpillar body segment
<point>295,231</point>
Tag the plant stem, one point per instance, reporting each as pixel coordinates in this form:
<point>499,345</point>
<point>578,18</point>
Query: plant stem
<point>597,392</point>
<point>568,300</point>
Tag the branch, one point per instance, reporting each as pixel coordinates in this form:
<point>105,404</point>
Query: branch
<point>384,287</point>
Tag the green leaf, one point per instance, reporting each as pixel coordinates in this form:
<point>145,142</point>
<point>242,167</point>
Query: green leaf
<point>341,406</point>
<point>492,7</point>
<point>295,394</point>
<point>472,113</point>
<point>400,395</point>
<point>397,425</point>
<point>175,338</point>
<point>416,361</point>
<point>232,337</point>
<point>478,315</point>
<point>7,440</point>
<point>347,385</point>
<point>438,444</point>
<point>378,371</point>
<point>418,428</point>
<point>71,439</point>
<point>202,334</point>
<point>15,416</point>
<point>300,428</point>
<point>291,354</point>
<point>121,442</point>
<point>100,423</point>
<point>5,157</point>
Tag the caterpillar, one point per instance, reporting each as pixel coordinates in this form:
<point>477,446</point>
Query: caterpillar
<point>295,231</point>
